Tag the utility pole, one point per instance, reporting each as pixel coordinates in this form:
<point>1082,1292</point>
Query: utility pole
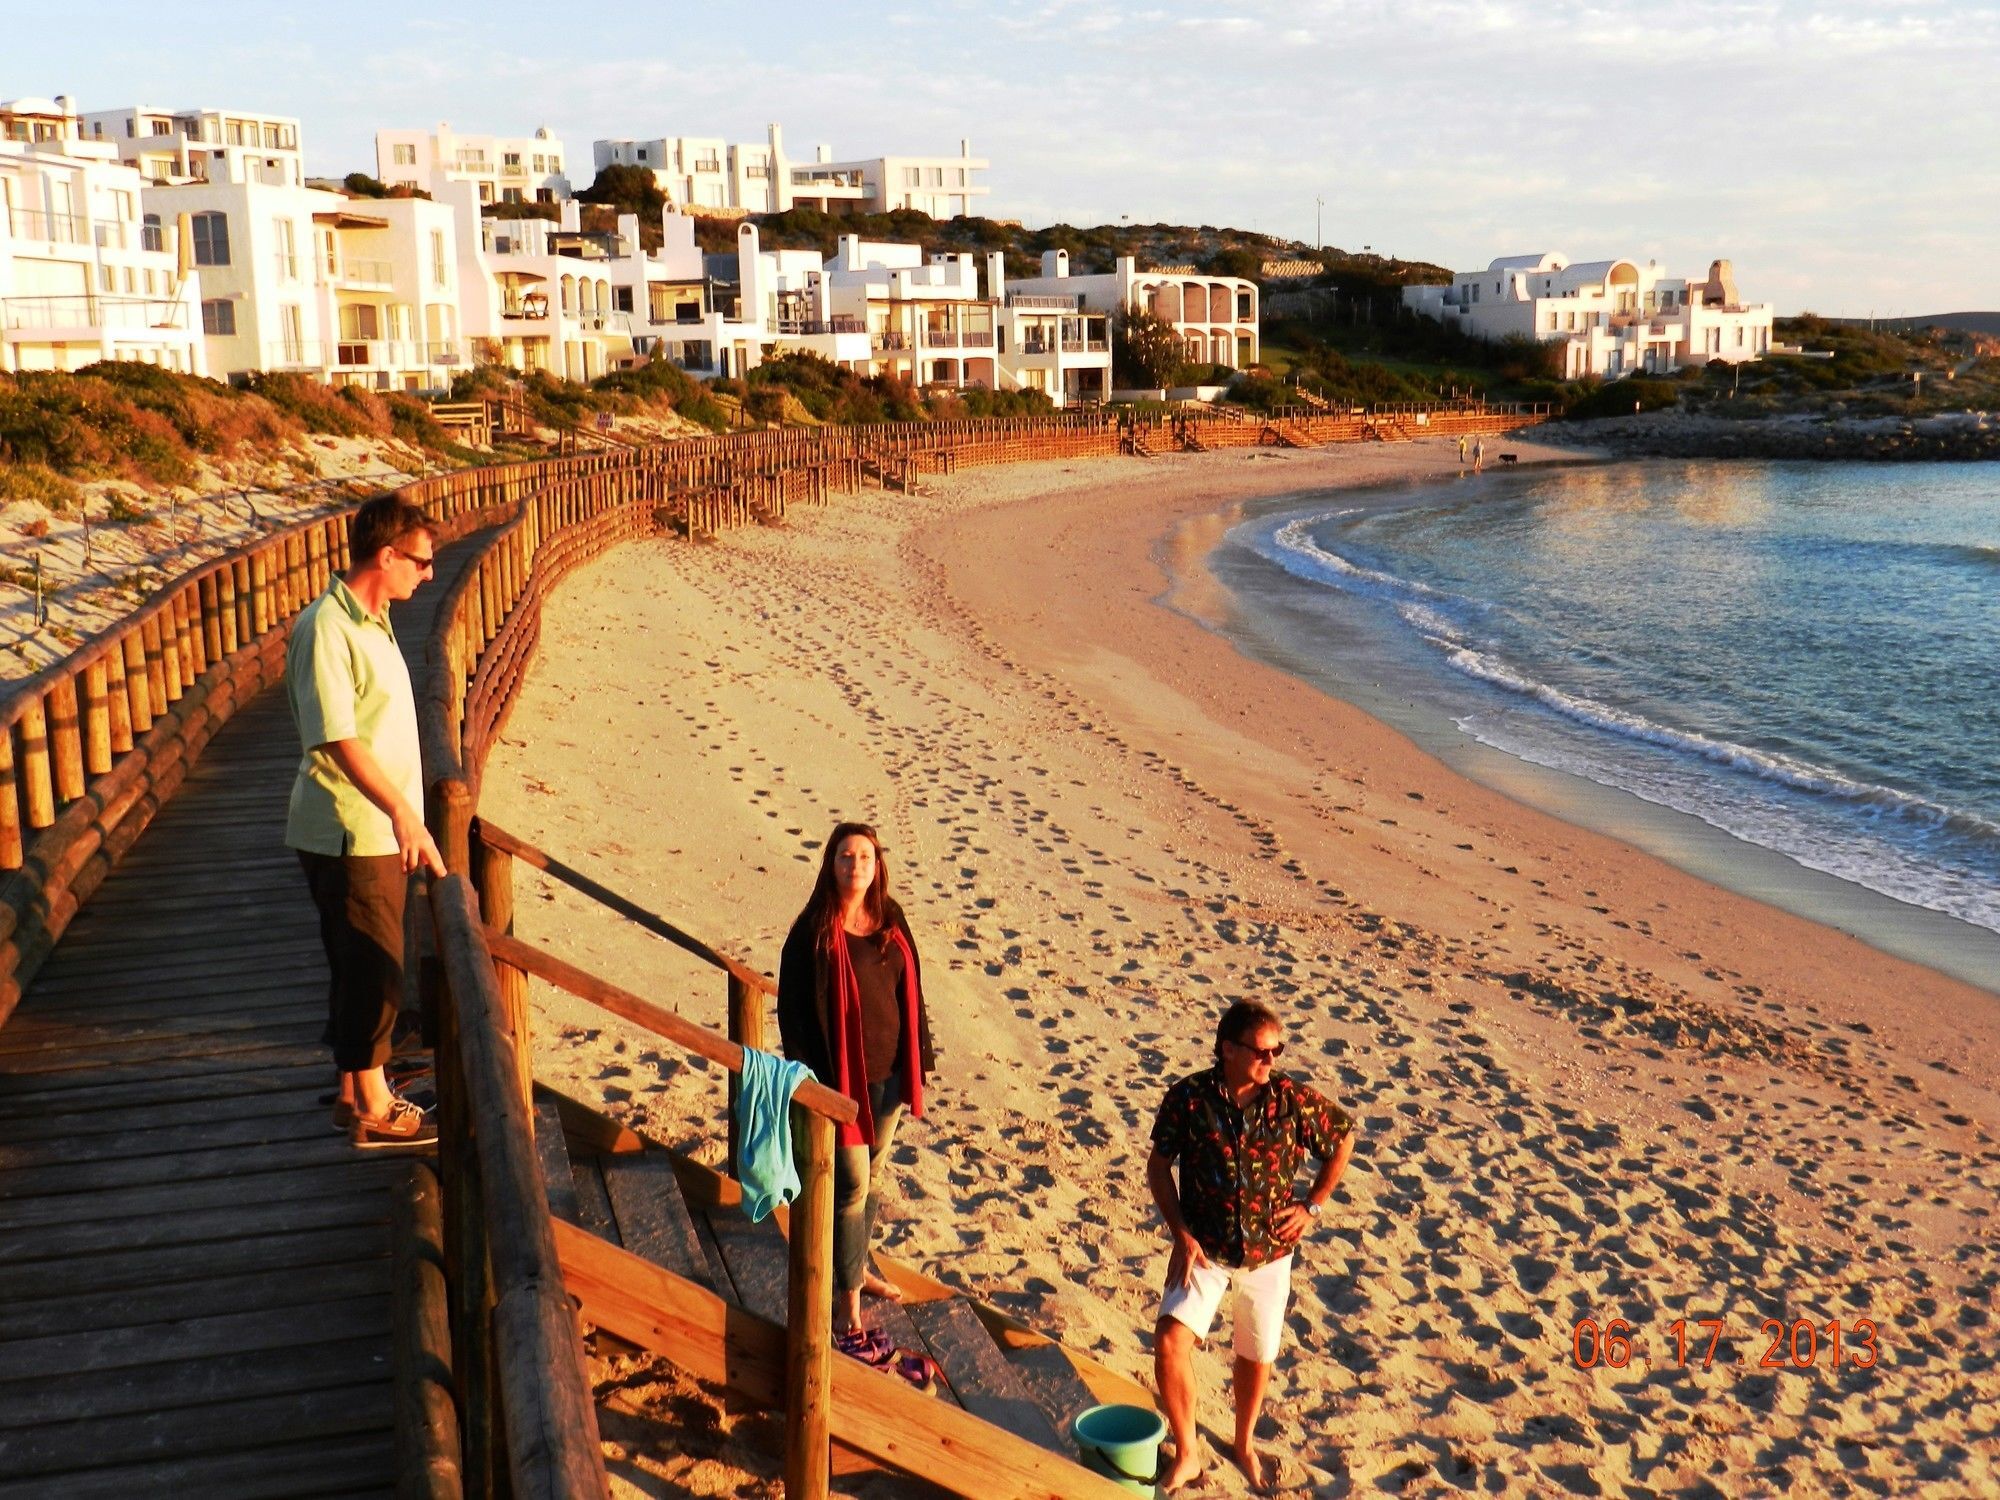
<point>1319,240</point>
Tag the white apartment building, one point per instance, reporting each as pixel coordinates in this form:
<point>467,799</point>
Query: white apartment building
<point>202,145</point>
<point>1216,316</point>
<point>700,173</point>
<point>574,302</point>
<point>501,168</point>
<point>353,291</point>
<point>927,320</point>
<point>1612,317</point>
<point>1048,341</point>
<point>85,274</point>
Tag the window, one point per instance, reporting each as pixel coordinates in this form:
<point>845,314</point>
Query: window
<point>404,155</point>
<point>542,163</point>
<point>555,165</point>
<point>510,195</point>
<point>438,267</point>
<point>913,176</point>
<point>621,298</point>
<point>485,192</point>
<point>161,127</point>
<point>218,317</point>
<point>234,134</point>
<point>293,328</point>
<point>211,239</point>
<point>288,250</point>
<point>108,277</point>
<point>511,160</point>
<point>937,176</point>
<point>642,154</point>
<point>964,177</point>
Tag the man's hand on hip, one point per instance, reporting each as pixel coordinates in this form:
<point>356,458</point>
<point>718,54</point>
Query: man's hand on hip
<point>1290,1222</point>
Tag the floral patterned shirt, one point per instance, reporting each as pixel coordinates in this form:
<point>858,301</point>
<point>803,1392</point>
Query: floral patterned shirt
<point>1239,1167</point>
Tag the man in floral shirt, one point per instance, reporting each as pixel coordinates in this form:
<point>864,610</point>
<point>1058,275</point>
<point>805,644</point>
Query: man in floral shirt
<point>1240,1132</point>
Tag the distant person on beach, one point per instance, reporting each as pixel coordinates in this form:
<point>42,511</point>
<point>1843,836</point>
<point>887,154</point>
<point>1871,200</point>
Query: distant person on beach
<point>1240,1132</point>
<point>1461,447</point>
<point>851,1008</point>
<point>356,816</point>
<point>1478,454</point>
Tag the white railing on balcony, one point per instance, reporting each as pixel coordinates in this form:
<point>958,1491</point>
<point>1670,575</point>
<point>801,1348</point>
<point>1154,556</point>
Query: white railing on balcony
<point>802,327</point>
<point>91,310</point>
<point>363,354</point>
<point>354,272</point>
<point>1049,304</point>
<point>50,229</point>
<point>941,338</point>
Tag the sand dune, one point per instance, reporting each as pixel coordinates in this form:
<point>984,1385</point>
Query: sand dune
<point>1590,1086</point>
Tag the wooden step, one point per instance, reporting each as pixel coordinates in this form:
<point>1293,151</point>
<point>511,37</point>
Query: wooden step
<point>553,1153</point>
<point>985,1384</point>
<point>1051,1380</point>
<point>652,1216</point>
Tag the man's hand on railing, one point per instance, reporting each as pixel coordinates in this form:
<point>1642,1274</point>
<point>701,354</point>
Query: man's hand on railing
<point>414,842</point>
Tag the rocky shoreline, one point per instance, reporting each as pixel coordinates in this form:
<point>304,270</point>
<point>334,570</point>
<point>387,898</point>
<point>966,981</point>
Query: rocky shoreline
<point>1673,434</point>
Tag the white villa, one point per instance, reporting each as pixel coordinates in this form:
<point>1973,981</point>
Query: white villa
<point>502,168</point>
<point>542,296</point>
<point>352,291</point>
<point>1613,317</point>
<point>1216,316</point>
<point>202,145</point>
<point>705,173</point>
<point>84,274</point>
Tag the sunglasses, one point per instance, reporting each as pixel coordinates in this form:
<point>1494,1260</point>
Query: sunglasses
<point>1263,1054</point>
<point>424,561</point>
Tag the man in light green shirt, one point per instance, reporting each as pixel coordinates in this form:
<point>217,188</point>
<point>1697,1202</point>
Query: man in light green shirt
<point>356,815</point>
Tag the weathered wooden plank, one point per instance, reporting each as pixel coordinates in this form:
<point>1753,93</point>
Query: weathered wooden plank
<point>333,1359</point>
<point>283,1181</point>
<point>189,1431</point>
<point>280,1471</point>
<point>173,1167</point>
<point>756,1257</point>
<point>593,1203</point>
<point>1051,1380</point>
<point>554,1157</point>
<point>982,1380</point>
<point>130,1004</point>
<point>96,1063</point>
<point>113,1041</point>
<point>315,1209</point>
<point>266,1128</point>
<point>209,1297</point>
<point>197,1079</point>
<point>162,1265</point>
<point>653,1219</point>
<point>85,967</point>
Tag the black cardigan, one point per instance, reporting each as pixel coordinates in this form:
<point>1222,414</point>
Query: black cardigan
<point>804,1001</point>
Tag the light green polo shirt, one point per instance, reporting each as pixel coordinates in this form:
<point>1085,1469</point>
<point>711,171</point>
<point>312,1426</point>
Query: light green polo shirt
<point>346,680</point>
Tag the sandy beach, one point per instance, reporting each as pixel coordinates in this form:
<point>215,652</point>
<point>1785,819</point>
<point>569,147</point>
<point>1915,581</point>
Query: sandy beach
<point>1589,1086</point>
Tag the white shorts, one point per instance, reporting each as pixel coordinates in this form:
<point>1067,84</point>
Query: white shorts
<point>1259,1313</point>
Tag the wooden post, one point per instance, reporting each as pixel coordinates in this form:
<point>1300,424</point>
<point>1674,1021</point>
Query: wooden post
<point>746,1026</point>
<point>427,1454</point>
<point>96,719</point>
<point>493,879</point>
<point>119,699</point>
<point>35,782</point>
<point>156,672</point>
<point>809,1315</point>
<point>66,741</point>
<point>11,852</point>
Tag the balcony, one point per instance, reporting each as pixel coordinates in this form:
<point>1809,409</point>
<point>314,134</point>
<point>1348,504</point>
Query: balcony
<point>891,341</point>
<point>365,273</point>
<point>90,310</point>
<point>534,305</point>
<point>1044,304</point>
<point>941,338</point>
<point>50,229</point>
<point>806,327</point>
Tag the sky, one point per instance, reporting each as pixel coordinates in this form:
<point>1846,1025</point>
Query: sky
<point>1844,154</point>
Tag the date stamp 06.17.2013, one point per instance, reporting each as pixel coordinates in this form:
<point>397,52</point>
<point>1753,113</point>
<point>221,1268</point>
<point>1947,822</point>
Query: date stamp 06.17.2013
<point>1703,1343</point>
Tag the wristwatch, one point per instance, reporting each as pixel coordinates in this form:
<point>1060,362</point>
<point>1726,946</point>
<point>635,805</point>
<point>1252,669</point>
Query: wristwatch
<point>1312,1209</point>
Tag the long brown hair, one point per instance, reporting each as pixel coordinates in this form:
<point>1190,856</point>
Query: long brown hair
<point>822,913</point>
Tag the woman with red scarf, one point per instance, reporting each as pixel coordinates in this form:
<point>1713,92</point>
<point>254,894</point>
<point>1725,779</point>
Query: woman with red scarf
<point>851,1008</point>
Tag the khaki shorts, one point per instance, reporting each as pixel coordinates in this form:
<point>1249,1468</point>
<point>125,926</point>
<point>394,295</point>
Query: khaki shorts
<point>1259,1312</point>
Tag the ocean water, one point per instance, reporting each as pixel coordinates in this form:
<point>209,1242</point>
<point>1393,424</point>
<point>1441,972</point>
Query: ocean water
<point>1800,655</point>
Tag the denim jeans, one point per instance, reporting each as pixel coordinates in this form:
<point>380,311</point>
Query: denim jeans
<point>856,1171</point>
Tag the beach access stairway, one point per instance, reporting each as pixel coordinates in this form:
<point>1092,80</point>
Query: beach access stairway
<point>205,1290</point>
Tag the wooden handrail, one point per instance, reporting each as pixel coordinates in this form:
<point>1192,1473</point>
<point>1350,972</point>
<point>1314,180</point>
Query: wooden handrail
<point>697,1039</point>
<point>498,838</point>
<point>553,1448</point>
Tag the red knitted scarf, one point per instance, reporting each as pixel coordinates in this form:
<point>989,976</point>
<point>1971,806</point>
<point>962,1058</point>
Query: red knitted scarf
<point>850,1064</point>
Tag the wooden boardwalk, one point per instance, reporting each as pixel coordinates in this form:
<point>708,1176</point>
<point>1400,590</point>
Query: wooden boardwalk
<point>194,1267</point>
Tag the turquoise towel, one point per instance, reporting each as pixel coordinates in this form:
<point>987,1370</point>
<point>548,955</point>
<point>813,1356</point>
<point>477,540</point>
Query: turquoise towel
<point>764,1147</point>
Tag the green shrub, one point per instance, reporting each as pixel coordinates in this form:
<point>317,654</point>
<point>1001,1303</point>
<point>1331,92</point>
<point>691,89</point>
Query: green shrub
<point>40,485</point>
<point>1620,398</point>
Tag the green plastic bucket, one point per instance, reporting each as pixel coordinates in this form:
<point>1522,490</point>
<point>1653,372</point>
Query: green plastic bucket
<point>1121,1443</point>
